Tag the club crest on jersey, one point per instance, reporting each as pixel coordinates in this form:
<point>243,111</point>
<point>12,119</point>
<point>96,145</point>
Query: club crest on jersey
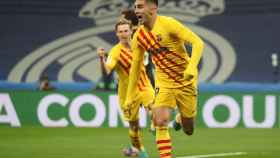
<point>158,38</point>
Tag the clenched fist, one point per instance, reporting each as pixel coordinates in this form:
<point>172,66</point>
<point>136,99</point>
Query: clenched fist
<point>101,52</point>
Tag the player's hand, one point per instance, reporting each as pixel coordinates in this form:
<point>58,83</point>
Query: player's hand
<point>101,52</point>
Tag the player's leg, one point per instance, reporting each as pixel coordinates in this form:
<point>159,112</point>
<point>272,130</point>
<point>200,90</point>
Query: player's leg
<point>137,147</point>
<point>163,139</point>
<point>152,127</point>
<point>187,106</point>
<point>135,135</point>
<point>176,124</point>
<point>164,104</point>
<point>188,125</point>
<point>148,109</point>
<point>147,98</point>
<point>143,98</point>
<point>135,140</point>
<point>134,131</point>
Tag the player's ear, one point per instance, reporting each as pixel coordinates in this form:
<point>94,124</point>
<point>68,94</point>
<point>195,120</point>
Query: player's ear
<point>153,8</point>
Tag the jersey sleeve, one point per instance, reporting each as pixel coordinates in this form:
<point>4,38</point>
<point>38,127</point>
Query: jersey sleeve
<point>112,59</point>
<point>137,61</point>
<point>185,34</point>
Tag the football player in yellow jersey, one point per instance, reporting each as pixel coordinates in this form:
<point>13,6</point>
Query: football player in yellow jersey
<point>176,71</point>
<point>119,59</point>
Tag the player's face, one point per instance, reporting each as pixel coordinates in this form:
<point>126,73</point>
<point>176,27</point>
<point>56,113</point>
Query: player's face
<point>124,33</point>
<point>142,10</point>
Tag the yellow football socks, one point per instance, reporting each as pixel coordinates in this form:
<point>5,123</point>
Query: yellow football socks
<point>163,142</point>
<point>135,138</point>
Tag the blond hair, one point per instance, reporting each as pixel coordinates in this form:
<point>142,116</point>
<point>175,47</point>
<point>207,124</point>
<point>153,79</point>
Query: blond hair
<point>123,21</point>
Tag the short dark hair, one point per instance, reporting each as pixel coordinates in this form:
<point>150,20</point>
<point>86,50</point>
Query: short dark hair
<point>130,15</point>
<point>153,1</point>
<point>123,22</point>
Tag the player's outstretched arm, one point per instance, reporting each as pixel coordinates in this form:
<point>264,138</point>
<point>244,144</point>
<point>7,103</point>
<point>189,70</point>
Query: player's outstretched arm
<point>101,53</point>
<point>185,34</point>
<point>134,74</point>
<point>197,50</point>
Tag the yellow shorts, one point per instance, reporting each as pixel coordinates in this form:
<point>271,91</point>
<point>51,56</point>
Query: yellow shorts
<point>143,99</point>
<point>185,98</point>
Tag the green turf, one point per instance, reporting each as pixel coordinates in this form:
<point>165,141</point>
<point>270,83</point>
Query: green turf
<point>38,142</point>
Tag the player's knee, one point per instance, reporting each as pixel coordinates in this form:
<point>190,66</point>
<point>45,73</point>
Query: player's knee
<point>161,122</point>
<point>188,131</point>
<point>161,116</point>
<point>188,126</point>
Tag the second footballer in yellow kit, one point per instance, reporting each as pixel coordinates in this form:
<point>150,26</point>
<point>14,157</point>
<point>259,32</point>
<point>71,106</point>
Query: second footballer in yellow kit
<point>176,71</point>
<point>119,59</point>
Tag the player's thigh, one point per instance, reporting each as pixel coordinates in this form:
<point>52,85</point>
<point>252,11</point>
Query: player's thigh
<point>147,98</point>
<point>164,97</point>
<point>164,102</point>
<point>187,104</point>
<point>133,111</point>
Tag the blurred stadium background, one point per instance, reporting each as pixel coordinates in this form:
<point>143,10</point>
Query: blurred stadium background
<point>239,111</point>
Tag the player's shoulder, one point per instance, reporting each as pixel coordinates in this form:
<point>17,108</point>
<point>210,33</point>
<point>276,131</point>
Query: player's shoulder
<point>163,17</point>
<point>137,33</point>
<point>141,27</point>
<point>115,49</point>
<point>167,19</point>
<point>170,22</point>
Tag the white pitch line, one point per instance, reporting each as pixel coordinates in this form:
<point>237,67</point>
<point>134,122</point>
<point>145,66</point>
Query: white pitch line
<point>215,155</point>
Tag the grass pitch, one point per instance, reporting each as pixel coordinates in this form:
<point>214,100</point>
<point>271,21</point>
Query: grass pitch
<point>38,142</point>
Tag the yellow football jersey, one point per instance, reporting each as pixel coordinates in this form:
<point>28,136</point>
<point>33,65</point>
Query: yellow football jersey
<point>120,59</point>
<point>166,43</point>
